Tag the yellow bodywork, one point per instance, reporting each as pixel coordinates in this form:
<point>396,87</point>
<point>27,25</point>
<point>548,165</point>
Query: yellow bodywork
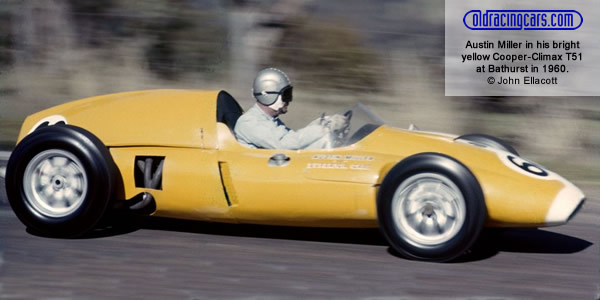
<point>167,118</point>
<point>208,175</point>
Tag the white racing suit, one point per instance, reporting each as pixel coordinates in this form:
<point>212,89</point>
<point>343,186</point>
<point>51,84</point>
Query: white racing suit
<point>256,129</point>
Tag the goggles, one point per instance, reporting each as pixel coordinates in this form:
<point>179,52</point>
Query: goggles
<point>286,93</point>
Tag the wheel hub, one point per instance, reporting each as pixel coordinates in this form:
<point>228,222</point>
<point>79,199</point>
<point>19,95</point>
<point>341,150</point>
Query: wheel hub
<point>58,182</point>
<point>428,209</point>
<point>55,183</point>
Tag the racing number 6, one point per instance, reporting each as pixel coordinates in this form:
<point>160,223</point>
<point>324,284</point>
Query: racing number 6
<point>527,166</point>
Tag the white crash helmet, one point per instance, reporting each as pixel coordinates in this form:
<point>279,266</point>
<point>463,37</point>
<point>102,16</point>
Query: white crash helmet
<point>272,88</point>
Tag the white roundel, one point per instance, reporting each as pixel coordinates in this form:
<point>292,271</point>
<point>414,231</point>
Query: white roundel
<point>48,121</point>
<point>526,167</point>
<point>565,202</point>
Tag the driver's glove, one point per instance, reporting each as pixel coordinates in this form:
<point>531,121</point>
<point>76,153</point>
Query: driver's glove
<point>336,122</point>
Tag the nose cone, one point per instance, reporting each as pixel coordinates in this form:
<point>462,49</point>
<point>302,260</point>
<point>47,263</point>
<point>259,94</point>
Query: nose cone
<point>520,192</point>
<point>565,205</point>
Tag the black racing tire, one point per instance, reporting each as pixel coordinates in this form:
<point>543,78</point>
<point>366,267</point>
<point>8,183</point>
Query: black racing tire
<point>489,141</point>
<point>60,180</point>
<point>430,207</point>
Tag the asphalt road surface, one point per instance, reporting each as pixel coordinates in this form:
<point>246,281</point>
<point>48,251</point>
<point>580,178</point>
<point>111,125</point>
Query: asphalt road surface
<point>163,259</point>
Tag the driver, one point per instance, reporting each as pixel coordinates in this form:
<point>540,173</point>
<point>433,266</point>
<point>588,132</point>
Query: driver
<point>260,126</point>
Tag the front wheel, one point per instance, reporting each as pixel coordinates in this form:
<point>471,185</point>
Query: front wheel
<point>430,207</point>
<point>59,180</point>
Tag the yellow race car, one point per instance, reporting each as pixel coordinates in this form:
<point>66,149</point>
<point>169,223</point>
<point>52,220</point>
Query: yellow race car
<point>172,153</point>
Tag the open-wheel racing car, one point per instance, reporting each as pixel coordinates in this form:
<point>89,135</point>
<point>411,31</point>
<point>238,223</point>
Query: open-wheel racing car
<point>172,153</point>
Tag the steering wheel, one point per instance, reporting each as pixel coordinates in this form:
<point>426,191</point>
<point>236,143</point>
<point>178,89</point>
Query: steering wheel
<point>342,136</point>
<point>348,115</point>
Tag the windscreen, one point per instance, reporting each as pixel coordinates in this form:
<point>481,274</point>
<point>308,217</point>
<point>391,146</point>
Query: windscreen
<point>362,123</point>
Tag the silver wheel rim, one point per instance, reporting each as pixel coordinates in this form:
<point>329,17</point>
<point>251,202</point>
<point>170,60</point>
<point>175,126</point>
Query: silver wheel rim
<point>55,183</point>
<point>428,209</point>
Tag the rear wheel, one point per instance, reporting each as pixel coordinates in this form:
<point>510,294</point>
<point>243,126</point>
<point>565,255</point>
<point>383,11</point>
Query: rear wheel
<point>430,207</point>
<point>60,180</point>
<point>56,183</point>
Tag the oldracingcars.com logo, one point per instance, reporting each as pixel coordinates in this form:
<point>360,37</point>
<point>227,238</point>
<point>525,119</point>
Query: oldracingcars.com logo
<point>523,20</point>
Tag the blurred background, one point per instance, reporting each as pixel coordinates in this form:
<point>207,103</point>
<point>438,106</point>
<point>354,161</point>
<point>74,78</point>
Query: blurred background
<point>386,54</point>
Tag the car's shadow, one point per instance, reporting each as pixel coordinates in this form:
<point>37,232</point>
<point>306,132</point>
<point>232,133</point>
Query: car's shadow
<point>490,243</point>
<point>523,240</point>
<point>368,236</point>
